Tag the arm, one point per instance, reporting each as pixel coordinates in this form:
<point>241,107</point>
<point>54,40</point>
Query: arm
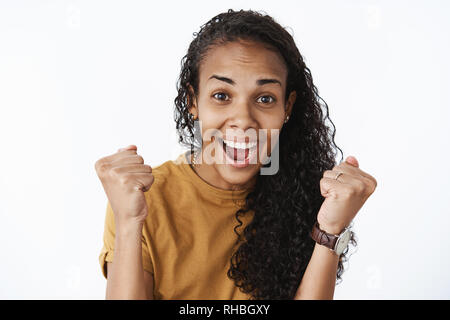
<point>319,279</point>
<point>343,199</point>
<point>125,179</point>
<point>126,276</point>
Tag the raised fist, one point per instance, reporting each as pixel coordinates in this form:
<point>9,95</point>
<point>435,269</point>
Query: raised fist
<point>125,178</point>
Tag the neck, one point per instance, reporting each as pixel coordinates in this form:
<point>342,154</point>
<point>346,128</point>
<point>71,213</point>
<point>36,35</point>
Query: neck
<point>209,174</point>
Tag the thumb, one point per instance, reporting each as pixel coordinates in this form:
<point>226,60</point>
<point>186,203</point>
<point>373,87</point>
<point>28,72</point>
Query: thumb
<point>129,147</point>
<point>352,160</point>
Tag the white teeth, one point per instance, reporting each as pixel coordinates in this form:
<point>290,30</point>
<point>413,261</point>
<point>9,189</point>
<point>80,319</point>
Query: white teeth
<point>240,145</point>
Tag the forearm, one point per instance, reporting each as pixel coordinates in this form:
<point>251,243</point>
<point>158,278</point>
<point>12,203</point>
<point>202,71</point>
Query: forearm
<point>126,277</point>
<point>319,279</point>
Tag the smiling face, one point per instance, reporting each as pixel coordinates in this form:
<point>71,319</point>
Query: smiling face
<point>241,90</point>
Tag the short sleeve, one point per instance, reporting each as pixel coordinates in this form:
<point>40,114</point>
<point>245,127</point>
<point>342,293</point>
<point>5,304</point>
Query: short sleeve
<point>107,251</point>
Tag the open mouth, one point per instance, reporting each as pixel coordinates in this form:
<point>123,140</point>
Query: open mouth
<point>240,152</point>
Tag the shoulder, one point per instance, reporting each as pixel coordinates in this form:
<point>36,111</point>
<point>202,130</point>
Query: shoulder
<point>169,177</point>
<point>169,170</point>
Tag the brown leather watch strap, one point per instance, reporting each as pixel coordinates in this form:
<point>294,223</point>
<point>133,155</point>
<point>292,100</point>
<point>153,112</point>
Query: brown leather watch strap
<point>321,237</point>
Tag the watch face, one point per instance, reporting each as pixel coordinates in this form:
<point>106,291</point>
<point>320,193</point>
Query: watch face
<point>342,242</point>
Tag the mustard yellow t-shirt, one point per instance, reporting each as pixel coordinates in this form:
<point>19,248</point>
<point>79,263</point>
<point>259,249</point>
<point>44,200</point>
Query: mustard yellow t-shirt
<point>188,237</point>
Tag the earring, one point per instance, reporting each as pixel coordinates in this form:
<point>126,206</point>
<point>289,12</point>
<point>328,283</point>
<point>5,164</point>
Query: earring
<point>286,120</point>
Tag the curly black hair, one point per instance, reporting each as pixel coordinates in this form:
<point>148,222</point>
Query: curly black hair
<point>270,263</point>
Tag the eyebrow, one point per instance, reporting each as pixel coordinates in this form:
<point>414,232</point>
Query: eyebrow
<point>259,82</point>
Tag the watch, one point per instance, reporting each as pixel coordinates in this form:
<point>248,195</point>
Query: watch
<point>336,243</point>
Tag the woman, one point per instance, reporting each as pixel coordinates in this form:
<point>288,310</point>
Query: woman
<point>212,225</point>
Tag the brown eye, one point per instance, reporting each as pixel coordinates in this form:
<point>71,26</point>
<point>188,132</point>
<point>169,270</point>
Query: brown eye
<point>267,101</point>
<point>221,94</point>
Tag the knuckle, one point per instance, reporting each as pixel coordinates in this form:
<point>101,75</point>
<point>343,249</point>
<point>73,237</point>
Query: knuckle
<point>348,192</point>
<point>102,167</point>
<point>140,159</point>
<point>114,172</point>
<point>97,164</point>
<point>360,187</point>
<point>124,179</point>
<point>327,172</point>
<point>374,186</point>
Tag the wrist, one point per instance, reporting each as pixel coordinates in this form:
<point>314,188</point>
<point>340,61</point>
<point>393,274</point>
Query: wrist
<point>331,229</point>
<point>129,228</point>
<point>334,237</point>
<point>326,251</point>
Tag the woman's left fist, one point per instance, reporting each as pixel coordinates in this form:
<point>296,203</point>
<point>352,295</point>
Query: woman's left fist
<point>344,196</point>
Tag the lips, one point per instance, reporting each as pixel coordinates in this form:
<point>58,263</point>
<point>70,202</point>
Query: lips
<point>238,151</point>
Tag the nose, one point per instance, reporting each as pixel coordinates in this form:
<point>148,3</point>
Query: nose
<point>242,117</point>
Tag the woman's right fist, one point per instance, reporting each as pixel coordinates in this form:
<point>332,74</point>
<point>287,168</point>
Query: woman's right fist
<point>125,178</point>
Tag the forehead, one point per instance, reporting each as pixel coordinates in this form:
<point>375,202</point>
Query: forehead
<point>243,59</point>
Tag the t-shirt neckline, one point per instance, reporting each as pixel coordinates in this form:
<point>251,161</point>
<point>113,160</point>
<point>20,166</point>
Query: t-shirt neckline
<point>205,186</point>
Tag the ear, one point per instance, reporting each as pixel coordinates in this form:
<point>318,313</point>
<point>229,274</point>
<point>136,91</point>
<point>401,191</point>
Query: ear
<point>192,101</point>
<point>290,102</point>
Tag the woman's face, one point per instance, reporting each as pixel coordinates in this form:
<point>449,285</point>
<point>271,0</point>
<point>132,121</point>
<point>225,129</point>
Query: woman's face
<point>233,100</point>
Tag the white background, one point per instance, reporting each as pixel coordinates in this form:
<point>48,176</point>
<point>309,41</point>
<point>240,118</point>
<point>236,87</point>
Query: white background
<point>79,79</point>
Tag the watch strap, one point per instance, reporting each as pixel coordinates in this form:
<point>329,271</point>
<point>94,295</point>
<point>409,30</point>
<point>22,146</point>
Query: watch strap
<point>323,238</point>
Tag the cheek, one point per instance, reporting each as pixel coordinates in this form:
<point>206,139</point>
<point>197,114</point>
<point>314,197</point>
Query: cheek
<point>272,127</point>
<point>210,127</point>
<point>209,117</point>
<point>272,118</point>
